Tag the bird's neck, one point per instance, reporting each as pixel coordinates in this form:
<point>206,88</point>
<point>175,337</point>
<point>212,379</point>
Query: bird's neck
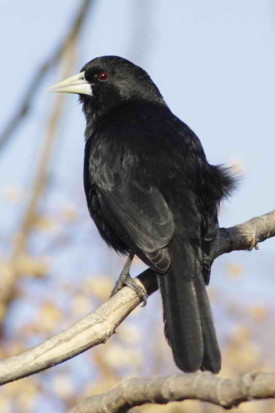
<point>96,113</point>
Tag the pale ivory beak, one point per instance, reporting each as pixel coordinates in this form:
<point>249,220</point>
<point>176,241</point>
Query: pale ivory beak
<point>74,84</point>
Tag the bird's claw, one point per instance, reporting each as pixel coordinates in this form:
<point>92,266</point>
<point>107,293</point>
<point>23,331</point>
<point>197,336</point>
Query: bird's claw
<point>129,282</point>
<point>118,285</point>
<point>138,290</point>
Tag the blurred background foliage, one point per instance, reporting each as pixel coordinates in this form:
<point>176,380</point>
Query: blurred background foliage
<point>214,62</point>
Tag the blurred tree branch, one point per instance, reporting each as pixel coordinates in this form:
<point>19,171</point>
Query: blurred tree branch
<point>66,54</point>
<point>98,326</point>
<point>26,103</point>
<point>202,386</point>
<point>19,252</point>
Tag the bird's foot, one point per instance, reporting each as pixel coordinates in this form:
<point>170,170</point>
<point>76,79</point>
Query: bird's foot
<point>121,282</point>
<point>138,290</point>
<point>123,276</point>
<point>125,279</point>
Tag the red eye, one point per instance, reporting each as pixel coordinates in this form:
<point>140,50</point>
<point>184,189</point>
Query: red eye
<point>103,76</point>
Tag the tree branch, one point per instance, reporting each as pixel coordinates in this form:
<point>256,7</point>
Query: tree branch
<point>245,236</point>
<point>88,332</point>
<point>97,327</point>
<point>20,246</point>
<point>202,386</point>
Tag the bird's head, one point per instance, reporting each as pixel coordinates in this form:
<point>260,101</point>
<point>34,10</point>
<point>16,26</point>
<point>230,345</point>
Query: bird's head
<point>107,82</point>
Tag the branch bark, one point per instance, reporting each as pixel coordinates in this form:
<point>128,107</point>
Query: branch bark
<point>245,236</point>
<point>202,386</point>
<point>97,327</point>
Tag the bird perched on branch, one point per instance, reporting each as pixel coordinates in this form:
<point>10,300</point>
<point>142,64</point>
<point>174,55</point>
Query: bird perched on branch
<point>152,193</point>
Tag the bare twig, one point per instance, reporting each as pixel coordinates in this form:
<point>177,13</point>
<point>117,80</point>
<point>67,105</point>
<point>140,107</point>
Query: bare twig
<point>197,386</point>
<point>26,103</point>
<point>93,329</point>
<point>97,327</point>
<point>245,236</point>
<point>8,289</point>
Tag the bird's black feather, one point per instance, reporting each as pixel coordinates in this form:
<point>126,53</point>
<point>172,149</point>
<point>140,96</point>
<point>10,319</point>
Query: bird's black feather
<point>151,192</point>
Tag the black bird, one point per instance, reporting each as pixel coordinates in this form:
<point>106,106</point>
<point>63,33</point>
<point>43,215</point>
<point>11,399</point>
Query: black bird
<point>152,193</point>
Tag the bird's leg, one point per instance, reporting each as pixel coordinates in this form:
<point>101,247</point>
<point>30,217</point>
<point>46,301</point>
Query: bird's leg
<point>125,279</point>
<point>123,275</point>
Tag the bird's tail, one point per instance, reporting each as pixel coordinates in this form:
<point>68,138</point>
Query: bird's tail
<point>188,320</point>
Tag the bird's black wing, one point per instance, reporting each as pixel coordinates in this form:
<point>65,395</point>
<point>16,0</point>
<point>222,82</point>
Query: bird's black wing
<point>137,212</point>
